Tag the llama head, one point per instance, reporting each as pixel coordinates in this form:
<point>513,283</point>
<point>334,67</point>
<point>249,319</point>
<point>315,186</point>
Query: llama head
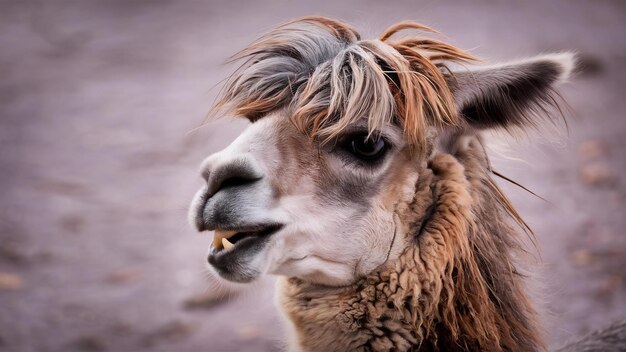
<point>318,184</point>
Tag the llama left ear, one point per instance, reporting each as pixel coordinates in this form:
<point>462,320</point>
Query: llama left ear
<point>511,94</point>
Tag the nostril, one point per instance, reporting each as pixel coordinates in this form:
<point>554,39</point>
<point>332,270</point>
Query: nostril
<point>236,181</point>
<point>234,174</point>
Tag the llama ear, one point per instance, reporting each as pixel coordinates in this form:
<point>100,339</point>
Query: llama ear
<point>511,94</point>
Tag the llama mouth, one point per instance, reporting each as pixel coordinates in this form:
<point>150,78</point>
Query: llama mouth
<point>233,252</point>
<point>227,240</point>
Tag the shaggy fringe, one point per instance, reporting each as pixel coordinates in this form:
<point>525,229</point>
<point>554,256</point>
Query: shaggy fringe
<point>329,78</point>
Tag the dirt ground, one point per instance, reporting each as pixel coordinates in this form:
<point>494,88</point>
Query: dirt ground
<point>99,153</point>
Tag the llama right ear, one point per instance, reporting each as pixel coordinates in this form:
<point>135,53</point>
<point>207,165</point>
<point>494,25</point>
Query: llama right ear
<point>511,94</point>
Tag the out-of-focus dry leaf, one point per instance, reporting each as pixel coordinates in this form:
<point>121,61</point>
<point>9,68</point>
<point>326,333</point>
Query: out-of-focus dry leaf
<point>73,223</point>
<point>208,299</point>
<point>610,286</point>
<point>592,149</point>
<point>176,329</point>
<point>121,329</point>
<point>9,252</point>
<point>581,257</point>
<point>89,343</point>
<point>171,331</point>
<point>121,277</point>
<point>598,174</point>
<point>10,281</point>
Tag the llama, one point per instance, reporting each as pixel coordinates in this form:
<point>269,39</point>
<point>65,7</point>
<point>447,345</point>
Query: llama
<point>363,183</point>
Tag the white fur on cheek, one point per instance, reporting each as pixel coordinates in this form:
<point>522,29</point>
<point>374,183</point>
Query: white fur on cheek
<point>331,244</point>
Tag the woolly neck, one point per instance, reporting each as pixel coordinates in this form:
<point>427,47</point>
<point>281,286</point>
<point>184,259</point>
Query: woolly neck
<point>434,296</point>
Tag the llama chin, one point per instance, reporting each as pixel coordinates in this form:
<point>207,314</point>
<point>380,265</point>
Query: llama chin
<point>364,183</point>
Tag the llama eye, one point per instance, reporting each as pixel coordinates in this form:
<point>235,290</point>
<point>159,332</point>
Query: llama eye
<point>368,149</point>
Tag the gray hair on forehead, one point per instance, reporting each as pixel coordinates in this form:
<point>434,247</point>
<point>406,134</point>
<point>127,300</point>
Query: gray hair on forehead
<point>329,78</point>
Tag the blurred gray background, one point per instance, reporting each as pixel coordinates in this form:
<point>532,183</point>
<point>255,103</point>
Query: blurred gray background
<point>100,104</point>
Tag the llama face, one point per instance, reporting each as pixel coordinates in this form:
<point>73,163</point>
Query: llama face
<point>281,203</point>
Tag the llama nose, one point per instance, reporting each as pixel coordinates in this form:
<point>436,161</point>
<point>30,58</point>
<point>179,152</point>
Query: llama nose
<point>229,174</point>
